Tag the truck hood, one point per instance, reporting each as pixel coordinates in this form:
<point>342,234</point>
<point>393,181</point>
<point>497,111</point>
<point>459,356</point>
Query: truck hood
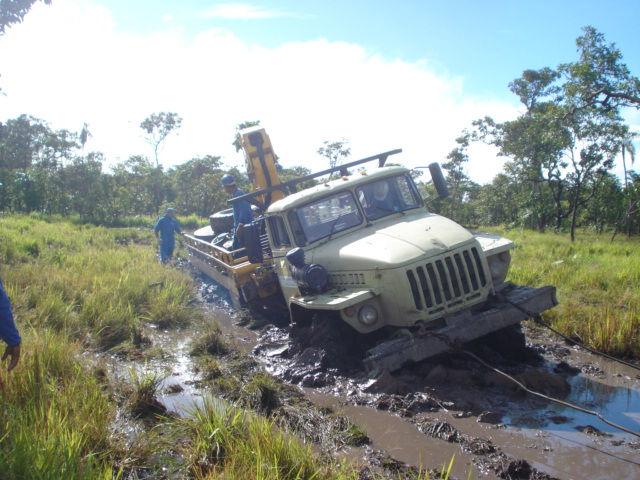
<point>391,243</point>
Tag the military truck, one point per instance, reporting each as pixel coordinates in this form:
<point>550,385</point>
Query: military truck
<point>363,250</point>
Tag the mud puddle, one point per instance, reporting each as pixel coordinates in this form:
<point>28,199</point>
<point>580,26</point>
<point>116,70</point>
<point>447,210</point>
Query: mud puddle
<point>425,413</point>
<point>455,400</point>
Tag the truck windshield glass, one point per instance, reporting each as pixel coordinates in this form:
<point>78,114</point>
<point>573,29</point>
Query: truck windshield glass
<point>387,196</point>
<point>326,217</point>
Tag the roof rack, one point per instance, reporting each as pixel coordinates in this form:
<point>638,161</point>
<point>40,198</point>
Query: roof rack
<point>291,185</point>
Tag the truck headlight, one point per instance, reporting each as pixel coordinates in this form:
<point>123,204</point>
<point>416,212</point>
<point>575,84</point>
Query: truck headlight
<point>499,266</point>
<point>368,315</point>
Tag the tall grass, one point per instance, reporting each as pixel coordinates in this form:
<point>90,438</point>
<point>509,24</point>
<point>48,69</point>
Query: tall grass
<point>92,283</point>
<point>598,284</point>
<point>55,417</point>
<point>75,287</point>
<point>230,443</point>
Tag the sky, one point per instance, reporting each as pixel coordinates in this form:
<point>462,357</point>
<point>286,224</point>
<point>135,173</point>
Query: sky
<point>382,75</point>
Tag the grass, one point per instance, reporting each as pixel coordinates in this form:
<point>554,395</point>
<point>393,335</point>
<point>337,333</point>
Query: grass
<point>210,342</point>
<point>598,284</point>
<point>55,415</point>
<point>230,443</point>
<point>94,284</point>
<point>143,398</point>
<point>189,222</point>
<point>77,289</point>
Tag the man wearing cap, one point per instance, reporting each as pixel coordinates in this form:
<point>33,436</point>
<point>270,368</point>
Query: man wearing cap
<point>8,331</point>
<point>166,229</point>
<point>242,214</point>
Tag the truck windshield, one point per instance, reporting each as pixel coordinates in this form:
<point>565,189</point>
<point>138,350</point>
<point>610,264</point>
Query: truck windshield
<point>387,196</point>
<point>325,217</point>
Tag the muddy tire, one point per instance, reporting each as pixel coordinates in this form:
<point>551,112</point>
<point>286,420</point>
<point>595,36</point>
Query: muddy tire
<point>331,334</point>
<point>222,221</point>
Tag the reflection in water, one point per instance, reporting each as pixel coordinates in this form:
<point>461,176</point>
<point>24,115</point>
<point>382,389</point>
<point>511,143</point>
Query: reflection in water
<point>617,404</point>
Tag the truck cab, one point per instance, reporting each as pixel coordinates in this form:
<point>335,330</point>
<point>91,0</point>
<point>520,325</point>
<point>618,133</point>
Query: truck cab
<point>389,261</point>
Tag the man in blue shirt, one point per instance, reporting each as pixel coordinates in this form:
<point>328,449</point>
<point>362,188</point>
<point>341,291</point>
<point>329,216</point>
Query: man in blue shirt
<point>166,229</point>
<point>242,214</point>
<point>8,331</point>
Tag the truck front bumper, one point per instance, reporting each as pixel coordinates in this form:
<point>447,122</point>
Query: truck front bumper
<point>515,305</point>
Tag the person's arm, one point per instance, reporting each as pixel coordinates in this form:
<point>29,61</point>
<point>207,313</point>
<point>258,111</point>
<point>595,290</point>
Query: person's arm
<point>8,331</point>
<point>178,228</point>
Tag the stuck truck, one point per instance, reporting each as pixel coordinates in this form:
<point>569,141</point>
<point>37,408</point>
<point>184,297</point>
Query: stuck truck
<point>364,250</point>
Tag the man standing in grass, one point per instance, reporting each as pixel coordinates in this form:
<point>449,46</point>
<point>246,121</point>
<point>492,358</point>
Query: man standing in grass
<point>8,331</point>
<point>166,229</point>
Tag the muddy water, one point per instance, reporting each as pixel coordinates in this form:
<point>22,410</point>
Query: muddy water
<point>554,440</point>
<point>400,439</point>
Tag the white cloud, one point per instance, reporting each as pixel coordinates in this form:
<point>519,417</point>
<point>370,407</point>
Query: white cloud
<point>242,11</point>
<point>69,63</point>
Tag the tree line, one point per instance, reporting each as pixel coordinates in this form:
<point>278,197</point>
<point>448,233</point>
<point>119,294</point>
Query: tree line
<point>559,152</point>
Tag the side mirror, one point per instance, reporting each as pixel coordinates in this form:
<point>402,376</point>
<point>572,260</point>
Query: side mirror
<point>438,180</point>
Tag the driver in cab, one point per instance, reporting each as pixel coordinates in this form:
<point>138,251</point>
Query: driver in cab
<point>379,200</point>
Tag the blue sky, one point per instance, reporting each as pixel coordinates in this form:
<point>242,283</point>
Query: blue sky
<point>381,75</point>
<point>488,43</point>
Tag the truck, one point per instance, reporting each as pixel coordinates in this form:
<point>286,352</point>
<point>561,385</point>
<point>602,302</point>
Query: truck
<point>362,252</point>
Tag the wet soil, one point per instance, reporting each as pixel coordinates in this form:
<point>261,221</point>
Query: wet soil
<point>456,405</point>
<point>424,414</point>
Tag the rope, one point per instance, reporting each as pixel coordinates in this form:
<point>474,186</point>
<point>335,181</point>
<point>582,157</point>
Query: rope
<point>451,345</point>
<point>538,319</point>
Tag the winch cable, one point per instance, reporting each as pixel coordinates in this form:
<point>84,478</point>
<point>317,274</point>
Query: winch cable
<point>538,319</point>
<point>454,347</point>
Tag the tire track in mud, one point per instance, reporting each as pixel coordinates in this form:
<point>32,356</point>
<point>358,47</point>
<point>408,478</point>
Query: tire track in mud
<point>427,412</point>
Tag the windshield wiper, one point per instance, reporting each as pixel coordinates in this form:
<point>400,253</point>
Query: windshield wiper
<point>333,226</point>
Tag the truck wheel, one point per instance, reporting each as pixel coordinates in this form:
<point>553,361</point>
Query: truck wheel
<point>329,333</point>
<point>222,221</point>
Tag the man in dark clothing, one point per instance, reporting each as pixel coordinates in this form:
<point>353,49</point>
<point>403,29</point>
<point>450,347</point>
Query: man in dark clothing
<point>166,229</point>
<point>242,214</point>
<point>8,331</point>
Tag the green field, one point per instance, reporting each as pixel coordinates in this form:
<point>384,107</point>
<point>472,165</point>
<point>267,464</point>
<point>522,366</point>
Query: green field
<point>80,290</point>
<point>598,284</point>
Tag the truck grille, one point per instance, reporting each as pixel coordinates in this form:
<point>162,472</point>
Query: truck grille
<point>447,281</point>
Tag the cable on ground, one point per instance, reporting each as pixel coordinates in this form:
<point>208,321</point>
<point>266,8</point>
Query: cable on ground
<point>451,345</point>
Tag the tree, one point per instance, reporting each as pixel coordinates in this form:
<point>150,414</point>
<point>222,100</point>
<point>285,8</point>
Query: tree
<point>460,186</point>
<point>158,126</point>
<point>195,184</point>
<point>335,151</point>
<point>562,147</point>
<point>599,79</point>
<point>595,89</point>
<point>13,11</point>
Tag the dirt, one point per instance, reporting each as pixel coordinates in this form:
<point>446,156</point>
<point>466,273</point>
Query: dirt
<point>498,429</point>
<point>424,414</point>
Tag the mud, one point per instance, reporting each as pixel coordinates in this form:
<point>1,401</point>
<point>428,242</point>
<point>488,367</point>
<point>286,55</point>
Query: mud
<point>424,414</point>
<point>501,430</point>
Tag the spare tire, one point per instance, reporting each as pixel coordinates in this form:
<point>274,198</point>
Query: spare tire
<point>222,221</point>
